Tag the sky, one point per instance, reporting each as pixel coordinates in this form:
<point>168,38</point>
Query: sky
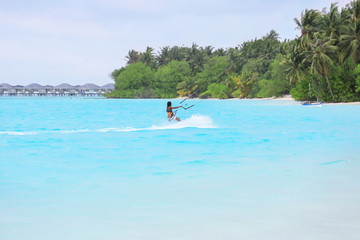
<point>83,41</point>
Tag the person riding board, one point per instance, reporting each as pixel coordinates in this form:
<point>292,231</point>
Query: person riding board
<point>171,115</point>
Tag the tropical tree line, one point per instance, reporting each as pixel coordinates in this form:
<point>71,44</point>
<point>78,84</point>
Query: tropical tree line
<point>326,55</point>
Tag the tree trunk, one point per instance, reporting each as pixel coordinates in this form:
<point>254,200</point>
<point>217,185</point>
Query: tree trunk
<point>317,89</point>
<point>327,80</point>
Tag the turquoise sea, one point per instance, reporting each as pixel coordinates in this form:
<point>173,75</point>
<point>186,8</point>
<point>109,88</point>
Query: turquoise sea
<point>109,169</point>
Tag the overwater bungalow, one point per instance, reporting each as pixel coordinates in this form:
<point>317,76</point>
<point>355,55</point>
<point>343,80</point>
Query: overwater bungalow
<point>63,89</point>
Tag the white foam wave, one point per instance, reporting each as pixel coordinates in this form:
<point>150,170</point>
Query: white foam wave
<point>17,133</point>
<point>73,131</point>
<point>195,121</point>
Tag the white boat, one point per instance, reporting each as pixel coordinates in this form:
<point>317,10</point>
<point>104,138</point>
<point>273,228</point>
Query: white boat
<point>312,104</point>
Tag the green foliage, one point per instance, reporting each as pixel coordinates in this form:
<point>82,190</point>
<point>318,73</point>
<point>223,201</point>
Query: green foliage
<point>187,87</point>
<point>357,73</point>
<point>274,82</point>
<point>248,77</point>
<point>300,91</point>
<point>148,57</point>
<point>216,90</point>
<point>116,73</point>
<point>214,72</point>
<point>343,79</point>
<point>132,57</point>
<point>135,81</point>
<point>169,76</point>
<point>325,55</point>
<point>264,50</point>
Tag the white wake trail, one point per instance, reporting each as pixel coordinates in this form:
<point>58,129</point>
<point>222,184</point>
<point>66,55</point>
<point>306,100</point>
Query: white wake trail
<point>195,121</point>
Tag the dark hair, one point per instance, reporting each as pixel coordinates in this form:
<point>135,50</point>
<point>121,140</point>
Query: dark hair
<point>168,104</point>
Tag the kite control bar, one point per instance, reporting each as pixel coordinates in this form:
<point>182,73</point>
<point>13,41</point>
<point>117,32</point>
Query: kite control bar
<point>186,108</point>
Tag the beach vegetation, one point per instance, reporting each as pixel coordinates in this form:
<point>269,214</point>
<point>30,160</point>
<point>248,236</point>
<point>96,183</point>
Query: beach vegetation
<point>134,81</point>
<point>357,73</point>
<point>325,54</point>
<point>216,90</point>
<point>168,77</point>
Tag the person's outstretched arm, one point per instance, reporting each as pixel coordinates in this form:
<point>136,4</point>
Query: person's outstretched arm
<point>177,107</point>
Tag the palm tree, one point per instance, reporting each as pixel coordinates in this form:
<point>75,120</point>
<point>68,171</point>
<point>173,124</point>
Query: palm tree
<point>244,82</point>
<point>177,53</point>
<point>163,57</point>
<point>350,41</point>
<point>132,57</point>
<point>234,55</point>
<point>355,9</point>
<point>148,58</point>
<point>296,70</point>
<point>319,58</point>
<point>350,38</point>
<point>196,58</point>
<point>272,35</point>
<point>333,23</point>
<point>191,52</point>
<point>220,52</point>
<point>198,62</point>
<point>308,24</point>
<point>208,50</point>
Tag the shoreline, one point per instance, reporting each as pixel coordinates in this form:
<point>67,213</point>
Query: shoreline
<point>282,98</point>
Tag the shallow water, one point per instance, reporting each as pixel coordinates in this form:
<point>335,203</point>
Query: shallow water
<point>75,168</point>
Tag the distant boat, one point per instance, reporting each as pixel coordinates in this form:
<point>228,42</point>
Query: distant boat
<point>314,104</point>
<point>310,103</point>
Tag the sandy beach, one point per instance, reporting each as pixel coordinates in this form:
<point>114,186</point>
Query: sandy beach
<point>289,98</point>
<point>282,98</point>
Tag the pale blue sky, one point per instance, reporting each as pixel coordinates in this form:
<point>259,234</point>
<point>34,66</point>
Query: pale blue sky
<point>83,41</point>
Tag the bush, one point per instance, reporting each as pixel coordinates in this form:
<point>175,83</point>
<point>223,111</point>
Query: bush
<point>274,82</point>
<point>216,90</point>
<point>300,91</point>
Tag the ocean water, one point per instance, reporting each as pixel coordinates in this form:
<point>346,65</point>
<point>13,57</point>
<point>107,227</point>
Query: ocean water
<point>76,168</point>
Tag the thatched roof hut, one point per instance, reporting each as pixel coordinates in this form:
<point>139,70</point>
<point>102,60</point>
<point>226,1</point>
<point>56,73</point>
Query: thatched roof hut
<point>64,86</point>
<point>37,86</point>
<point>109,86</point>
<point>90,86</point>
<point>6,86</point>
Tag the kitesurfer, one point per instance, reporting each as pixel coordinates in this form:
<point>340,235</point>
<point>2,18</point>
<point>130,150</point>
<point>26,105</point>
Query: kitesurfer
<point>171,115</point>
